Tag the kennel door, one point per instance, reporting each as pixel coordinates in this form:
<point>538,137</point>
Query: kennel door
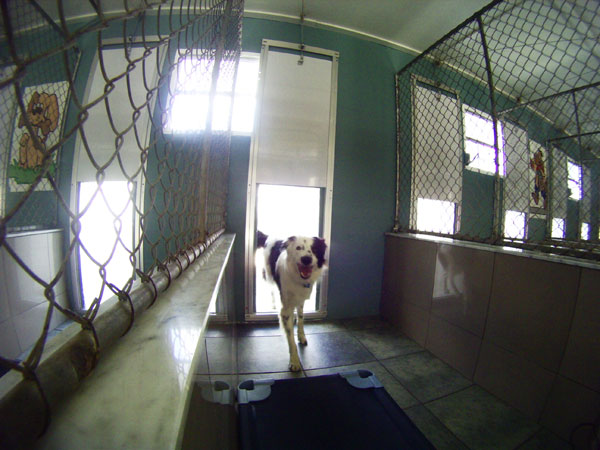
<point>292,149</point>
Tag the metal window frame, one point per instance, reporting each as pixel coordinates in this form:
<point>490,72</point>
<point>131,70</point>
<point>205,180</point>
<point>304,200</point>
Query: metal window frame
<point>249,269</point>
<point>414,83</point>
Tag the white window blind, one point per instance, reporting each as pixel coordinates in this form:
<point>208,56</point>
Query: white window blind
<point>293,139</point>
<point>516,185</point>
<point>559,190</point>
<point>437,148</point>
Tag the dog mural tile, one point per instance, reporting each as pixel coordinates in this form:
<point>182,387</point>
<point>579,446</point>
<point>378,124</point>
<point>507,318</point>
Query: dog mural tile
<point>425,376</point>
<point>386,342</point>
<point>482,421</point>
<point>332,349</point>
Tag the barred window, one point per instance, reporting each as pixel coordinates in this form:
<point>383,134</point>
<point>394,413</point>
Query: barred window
<point>514,224</point>
<point>585,231</point>
<point>574,180</point>
<point>190,88</point>
<point>479,141</point>
<point>435,216</point>
<point>558,228</point>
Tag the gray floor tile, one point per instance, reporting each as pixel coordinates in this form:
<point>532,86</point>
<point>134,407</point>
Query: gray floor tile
<point>273,375</point>
<point>400,395</point>
<point>219,330</point>
<point>433,429</point>
<point>361,323</point>
<point>545,440</point>
<point>332,349</point>
<point>262,354</point>
<point>482,421</point>
<point>202,364</point>
<point>386,342</point>
<point>323,326</point>
<point>221,355</point>
<point>425,376</point>
<point>258,329</point>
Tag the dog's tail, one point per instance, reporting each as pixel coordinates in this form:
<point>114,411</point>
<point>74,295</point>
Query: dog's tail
<point>261,239</point>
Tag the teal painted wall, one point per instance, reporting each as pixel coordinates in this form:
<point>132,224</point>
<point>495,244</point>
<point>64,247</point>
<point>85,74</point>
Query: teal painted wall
<point>365,164</point>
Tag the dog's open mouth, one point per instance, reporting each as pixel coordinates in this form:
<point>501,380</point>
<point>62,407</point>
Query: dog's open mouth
<point>305,271</point>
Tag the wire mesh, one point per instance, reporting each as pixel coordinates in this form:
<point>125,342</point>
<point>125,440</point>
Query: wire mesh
<point>498,130</point>
<point>90,146</point>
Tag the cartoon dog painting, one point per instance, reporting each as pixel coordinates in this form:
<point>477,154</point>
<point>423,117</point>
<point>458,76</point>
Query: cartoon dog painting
<point>43,115</point>
<point>540,184</point>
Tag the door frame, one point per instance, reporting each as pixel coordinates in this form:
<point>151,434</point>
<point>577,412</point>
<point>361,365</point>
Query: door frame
<point>249,303</point>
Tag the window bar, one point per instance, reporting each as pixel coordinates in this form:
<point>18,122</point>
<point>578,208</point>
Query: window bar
<point>582,189</point>
<point>497,212</point>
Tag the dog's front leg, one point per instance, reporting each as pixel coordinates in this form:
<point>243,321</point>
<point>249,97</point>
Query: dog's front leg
<point>301,335</point>
<point>287,321</point>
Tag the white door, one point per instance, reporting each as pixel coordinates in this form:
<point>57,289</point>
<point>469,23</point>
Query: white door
<point>290,185</point>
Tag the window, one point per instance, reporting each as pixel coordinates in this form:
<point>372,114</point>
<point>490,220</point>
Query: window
<point>190,85</point>
<point>435,216</point>
<point>107,235</point>
<point>585,231</point>
<point>514,225</point>
<point>574,180</point>
<point>479,142</point>
<point>558,228</point>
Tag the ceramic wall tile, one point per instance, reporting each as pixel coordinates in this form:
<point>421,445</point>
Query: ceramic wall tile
<point>521,383</point>
<point>5,313</point>
<point>461,290</point>
<point>410,278</point>
<point>24,292</point>
<point>55,257</point>
<point>453,345</point>
<point>9,344</point>
<point>412,321</point>
<point>531,307</point>
<point>569,405</point>
<point>582,356</point>
<point>29,325</point>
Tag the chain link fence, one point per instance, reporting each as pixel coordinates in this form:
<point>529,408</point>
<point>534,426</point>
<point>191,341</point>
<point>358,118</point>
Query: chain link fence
<point>499,130</point>
<point>107,138</point>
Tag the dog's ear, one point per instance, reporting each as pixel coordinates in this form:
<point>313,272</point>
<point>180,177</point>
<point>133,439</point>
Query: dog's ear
<point>261,239</point>
<point>318,248</point>
<point>51,112</point>
<point>35,97</point>
<point>289,241</point>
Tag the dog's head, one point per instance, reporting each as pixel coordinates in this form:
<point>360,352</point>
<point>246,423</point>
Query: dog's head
<point>42,112</point>
<point>308,254</point>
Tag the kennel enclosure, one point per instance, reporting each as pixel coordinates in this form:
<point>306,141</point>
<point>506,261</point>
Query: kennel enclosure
<point>497,130</point>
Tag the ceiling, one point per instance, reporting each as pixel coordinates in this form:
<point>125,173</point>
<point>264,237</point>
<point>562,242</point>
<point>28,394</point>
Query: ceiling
<point>413,25</point>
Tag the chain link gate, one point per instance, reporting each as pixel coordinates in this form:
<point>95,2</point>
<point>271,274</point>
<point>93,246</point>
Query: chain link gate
<point>174,185</point>
<point>498,130</point>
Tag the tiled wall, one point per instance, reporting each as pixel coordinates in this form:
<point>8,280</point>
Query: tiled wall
<point>23,306</point>
<point>527,330</point>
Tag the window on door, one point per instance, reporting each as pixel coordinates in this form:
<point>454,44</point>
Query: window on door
<point>281,212</point>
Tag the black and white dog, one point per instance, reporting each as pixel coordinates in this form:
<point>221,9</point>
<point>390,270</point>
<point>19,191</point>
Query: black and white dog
<point>294,265</point>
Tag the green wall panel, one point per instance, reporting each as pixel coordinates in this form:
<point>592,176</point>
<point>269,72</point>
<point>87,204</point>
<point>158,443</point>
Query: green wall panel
<point>365,163</point>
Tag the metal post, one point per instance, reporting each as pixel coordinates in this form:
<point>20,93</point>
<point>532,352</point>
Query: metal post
<point>496,231</point>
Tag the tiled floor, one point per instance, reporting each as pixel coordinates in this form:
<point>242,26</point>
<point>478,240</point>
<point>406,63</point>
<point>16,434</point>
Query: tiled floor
<point>449,409</point>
